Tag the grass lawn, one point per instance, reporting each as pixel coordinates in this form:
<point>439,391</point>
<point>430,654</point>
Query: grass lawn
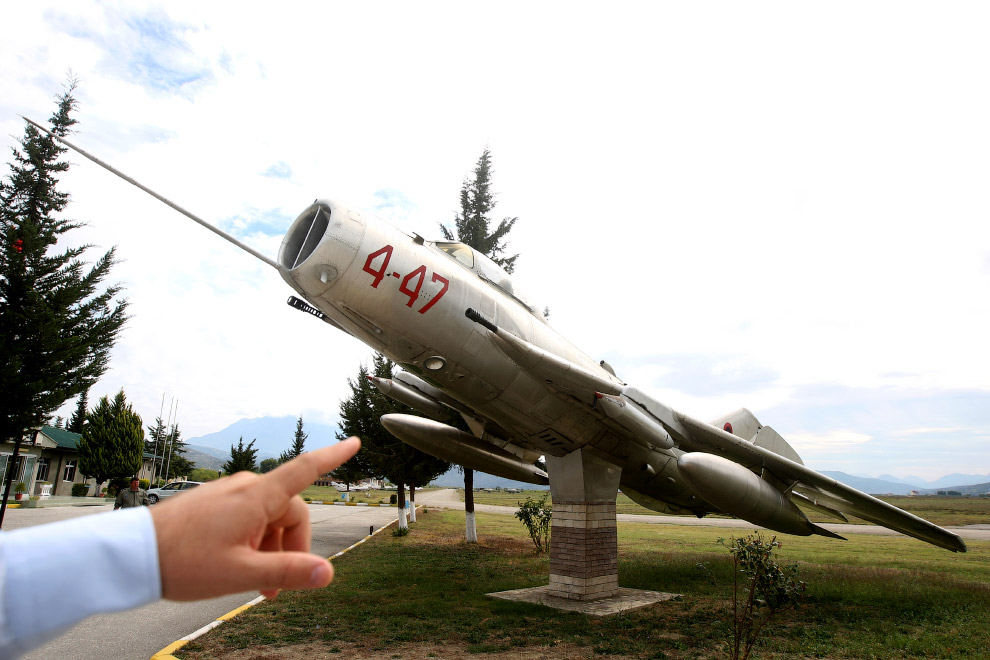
<point>945,511</point>
<point>331,494</point>
<point>422,596</point>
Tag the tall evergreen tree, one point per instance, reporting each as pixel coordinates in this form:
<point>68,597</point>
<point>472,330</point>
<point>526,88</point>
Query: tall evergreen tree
<point>473,224</point>
<point>298,444</point>
<point>112,443</point>
<point>472,227</point>
<point>78,419</point>
<point>242,458</point>
<point>383,455</point>
<point>57,324</point>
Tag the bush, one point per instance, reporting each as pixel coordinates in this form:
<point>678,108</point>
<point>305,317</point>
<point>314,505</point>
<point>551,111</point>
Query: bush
<point>79,490</point>
<point>144,484</point>
<point>393,499</point>
<point>769,588</point>
<point>537,516</point>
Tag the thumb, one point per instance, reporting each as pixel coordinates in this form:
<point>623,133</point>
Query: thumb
<point>272,571</point>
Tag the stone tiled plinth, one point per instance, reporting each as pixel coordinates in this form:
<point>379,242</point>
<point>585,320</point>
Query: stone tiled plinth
<point>622,601</point>
<point>583,550</point>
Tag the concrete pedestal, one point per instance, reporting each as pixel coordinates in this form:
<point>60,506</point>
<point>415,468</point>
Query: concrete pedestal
<point>583,542</point>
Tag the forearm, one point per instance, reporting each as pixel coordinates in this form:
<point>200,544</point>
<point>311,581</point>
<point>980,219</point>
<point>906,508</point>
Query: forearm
<point>52,576</point>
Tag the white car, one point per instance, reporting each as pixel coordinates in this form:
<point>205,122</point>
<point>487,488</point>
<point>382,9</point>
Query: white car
<point>155,494</point>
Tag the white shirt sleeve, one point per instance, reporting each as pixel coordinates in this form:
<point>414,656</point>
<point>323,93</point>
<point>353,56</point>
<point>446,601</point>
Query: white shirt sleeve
<point>53,576</point>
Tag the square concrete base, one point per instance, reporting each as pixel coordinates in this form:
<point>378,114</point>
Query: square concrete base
<point>623,600</point>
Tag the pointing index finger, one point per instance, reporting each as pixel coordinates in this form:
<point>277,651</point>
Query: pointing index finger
<point>292,477</point>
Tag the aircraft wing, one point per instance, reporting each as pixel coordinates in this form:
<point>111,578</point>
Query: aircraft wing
<point>696,436</point>
<point>770,465</point>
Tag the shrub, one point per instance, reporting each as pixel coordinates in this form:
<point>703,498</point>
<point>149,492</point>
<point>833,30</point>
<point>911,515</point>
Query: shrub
<point>537,516</point>
<point>769,588</point>
<point>393,499</point>
<point>144,484</point>
<point>79,490</point>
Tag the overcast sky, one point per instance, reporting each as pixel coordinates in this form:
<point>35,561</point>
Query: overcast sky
<point>782,206</point>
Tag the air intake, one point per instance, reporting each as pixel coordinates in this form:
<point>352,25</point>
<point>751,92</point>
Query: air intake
<point>306,233</point>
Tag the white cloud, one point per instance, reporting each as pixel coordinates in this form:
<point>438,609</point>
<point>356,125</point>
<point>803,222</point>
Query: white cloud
<point>830,442</point>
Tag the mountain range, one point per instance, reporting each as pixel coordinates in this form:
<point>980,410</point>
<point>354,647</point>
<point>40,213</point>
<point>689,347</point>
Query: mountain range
<point>273,435</point>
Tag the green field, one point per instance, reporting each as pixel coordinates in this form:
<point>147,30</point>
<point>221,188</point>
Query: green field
<point>331,494</point>
<point>946,511</point>
<point>422,596</point>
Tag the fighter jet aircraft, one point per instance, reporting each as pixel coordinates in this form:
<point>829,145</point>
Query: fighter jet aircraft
<point>473,344</point>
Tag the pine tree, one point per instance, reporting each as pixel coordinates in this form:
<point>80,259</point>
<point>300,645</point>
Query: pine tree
<point>298,444</point>
<point>78,419</point>
<point>112,443</point>
<point>57,326</point>
<point>472,227</point>
<point>473,222</point>
<point>383,455</point>
<point>242,458</point>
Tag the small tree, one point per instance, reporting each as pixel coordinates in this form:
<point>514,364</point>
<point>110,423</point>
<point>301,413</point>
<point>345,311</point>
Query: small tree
<point>112,443</point>
<point>298,444</point>
<point>768,588</point>
<point>78,419</point>
<point>382,454</point>
<point>268,464</point>
<point>242,459</point>
<point>538,518</point>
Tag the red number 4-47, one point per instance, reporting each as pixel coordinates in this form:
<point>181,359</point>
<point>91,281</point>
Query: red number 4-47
<point>410,284</point>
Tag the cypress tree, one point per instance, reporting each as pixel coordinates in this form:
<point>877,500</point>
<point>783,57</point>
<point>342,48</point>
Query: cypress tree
<point>472,228</point>
<point>57,324</point>
<point>473,223</point>
<point>78,419</point>
<point>383,455</point>
<point>298,444</point>
<point>112,443</point>
<point>242,459</point>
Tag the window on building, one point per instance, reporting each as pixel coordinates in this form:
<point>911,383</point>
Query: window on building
<point>43,466</point>
<point>69,474</point>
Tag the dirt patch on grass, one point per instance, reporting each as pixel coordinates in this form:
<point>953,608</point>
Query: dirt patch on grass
<point>409,651</point>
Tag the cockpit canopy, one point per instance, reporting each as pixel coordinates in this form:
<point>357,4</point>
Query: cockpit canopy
<point>489,271</point>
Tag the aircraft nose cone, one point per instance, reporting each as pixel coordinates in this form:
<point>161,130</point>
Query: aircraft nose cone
<point>320,245</point>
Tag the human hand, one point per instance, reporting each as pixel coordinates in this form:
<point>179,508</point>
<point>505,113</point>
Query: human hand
<point>245,531</point>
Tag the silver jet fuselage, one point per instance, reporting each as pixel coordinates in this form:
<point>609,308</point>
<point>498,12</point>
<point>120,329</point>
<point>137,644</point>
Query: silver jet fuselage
<point>407,298</point>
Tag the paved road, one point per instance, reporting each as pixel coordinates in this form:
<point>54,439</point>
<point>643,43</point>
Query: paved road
<point>139,633</point>
<point>450,499</point>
